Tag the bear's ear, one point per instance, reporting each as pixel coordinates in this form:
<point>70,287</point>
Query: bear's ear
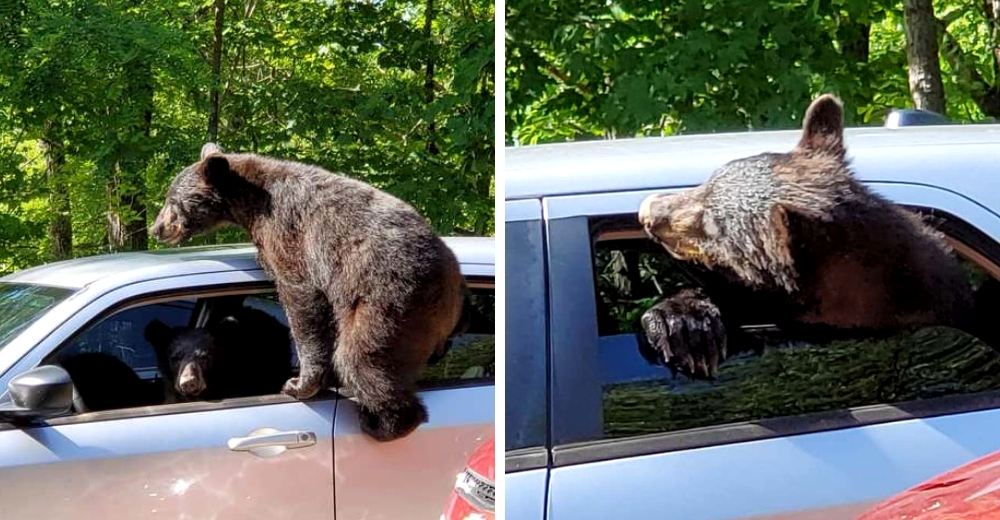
<point>823,127</point>
<point>158,334</point>
<point>216,170</point>
<point>210,149</point>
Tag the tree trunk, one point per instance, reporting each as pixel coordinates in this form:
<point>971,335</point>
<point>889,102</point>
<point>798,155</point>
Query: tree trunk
<point>127,228</point>
<point>432,147</point>
<point>60,220</point>
<point>922,56</point>
<point>213,116</point>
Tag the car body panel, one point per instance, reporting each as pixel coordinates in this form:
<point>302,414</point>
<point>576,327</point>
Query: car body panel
<point>878,154</point>
<point>525,493</point>
<point>172,466</point>
<point>800,474</point>
<point>413,476</point>
<point>122,268</point>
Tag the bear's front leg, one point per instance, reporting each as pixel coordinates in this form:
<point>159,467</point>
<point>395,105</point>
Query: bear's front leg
<point>312,324</point>
<point>685,333</point>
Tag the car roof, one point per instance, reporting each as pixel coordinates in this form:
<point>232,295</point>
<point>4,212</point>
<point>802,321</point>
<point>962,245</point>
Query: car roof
<point>601,166</point>
<point>81,272</point>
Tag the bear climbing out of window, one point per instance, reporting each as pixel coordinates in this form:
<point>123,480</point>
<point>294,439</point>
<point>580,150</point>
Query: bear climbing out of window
<point>369,289</point>
<point>246,353</point>
<point>831,257</point>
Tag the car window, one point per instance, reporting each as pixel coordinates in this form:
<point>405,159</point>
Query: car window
<point>21,304</point>
<point>776,375</point>
<point>121,334</point>
<point>471,357</point>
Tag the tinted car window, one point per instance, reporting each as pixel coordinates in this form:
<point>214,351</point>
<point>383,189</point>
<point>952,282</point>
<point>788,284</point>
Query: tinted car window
<point>121,335</point>
<point>788,378</point>
<point>472,356</point>
<point>21,304</point>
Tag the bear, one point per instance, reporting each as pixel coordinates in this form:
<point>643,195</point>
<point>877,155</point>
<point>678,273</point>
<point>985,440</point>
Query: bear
<point>370,290</point>
<point>830,257</point>
<point>101,382</point>
<point>245,353</point>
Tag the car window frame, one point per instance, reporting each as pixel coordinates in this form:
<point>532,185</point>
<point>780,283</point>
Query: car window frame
<point>575,340</point>
<point>527,423</point>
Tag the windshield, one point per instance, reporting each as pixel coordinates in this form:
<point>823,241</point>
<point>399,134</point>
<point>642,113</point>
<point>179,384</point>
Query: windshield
<point>21,304</point>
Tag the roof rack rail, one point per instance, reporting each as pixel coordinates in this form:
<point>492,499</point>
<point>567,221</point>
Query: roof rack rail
<point>899,118</point>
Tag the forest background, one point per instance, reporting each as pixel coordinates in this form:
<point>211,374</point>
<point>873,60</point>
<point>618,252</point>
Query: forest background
<point>102,102</point>
<point>583,69</point>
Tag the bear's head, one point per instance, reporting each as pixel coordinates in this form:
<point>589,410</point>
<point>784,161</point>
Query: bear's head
<point>737,221</point>
<point>186,356</point>
<point>202,197</point>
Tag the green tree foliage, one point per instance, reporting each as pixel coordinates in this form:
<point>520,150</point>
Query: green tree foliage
<point>102,102</point>
<point>586,69</point>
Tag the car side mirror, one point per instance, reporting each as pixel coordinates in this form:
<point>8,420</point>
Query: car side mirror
<point>41,392</point>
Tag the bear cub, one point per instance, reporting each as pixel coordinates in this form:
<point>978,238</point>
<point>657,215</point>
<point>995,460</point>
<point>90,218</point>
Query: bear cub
<point>370,290</point>
<point>246,353</point>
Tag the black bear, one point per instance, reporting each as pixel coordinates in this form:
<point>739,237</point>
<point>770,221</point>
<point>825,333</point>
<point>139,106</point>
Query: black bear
<point>104,382</point>
<point>248,352</point>
<point>829,254</point>
<point>369,289</point>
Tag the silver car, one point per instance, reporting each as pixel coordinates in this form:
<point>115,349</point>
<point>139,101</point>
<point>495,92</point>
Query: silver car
<point>267,457</point>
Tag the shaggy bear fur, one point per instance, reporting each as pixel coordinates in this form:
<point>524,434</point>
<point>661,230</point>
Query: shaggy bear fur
<point>367,285</point>
<point>799,227</point>
<point>246,353</point>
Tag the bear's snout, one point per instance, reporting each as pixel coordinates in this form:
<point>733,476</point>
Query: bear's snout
<point>168,227</point>
<point>646,211</point>
<point>654,215</point>
<point>190,382</point>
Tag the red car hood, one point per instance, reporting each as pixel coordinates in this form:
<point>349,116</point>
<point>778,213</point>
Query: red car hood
<point>968,492</point>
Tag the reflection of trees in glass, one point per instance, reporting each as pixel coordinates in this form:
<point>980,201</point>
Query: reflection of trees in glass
<point>933,362</point>
<point>23,304</point>
<point>472,357</point>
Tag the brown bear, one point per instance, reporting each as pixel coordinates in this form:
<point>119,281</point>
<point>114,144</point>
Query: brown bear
<point>799,227</point>
<point>245,353</point>
<point>367,285</point>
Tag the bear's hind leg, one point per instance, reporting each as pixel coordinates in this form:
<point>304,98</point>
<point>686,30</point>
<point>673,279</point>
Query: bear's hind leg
<point>367,364</point>
<point>311,321</point>
<point>389,410</point>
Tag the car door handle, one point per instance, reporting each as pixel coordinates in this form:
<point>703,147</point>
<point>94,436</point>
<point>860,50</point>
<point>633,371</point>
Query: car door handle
<point>268,442</point>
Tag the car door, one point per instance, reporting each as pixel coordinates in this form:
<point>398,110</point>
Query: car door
<point>630,441</point>
<point>264,457</point>
<point>412,477</point>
